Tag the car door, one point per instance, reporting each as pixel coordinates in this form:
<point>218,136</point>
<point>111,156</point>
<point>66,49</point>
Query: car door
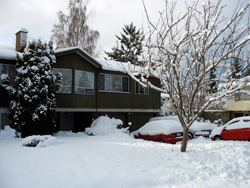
<point>244,132</point>
<point>230,132</point>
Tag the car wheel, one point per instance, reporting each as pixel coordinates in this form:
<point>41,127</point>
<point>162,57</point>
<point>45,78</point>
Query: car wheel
<point>190,136</point>
<point>216,138</point>
<point>160,140</point>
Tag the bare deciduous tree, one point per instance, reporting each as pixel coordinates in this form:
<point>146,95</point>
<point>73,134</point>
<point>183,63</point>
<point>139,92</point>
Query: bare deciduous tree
<point>73,30</point>
<point>189,47</point>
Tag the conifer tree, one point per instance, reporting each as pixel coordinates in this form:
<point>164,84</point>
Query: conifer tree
<point>129,46</point>
<point>212,81</point>
<point>33,98</point>
<point>236,68</point>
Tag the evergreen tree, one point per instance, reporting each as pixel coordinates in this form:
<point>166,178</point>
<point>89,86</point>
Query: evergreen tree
<point>212,81</point>
<point>247,72</point>
<point>236,69</point>
<point>33,100</point>
<point>129,47</point>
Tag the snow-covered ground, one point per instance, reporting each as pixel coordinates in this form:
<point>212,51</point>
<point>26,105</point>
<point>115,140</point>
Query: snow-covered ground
<point>119,161</point>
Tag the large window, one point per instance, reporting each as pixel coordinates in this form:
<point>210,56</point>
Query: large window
<point>243,96</point>
<point>84,82</point>
<point>113,83</point>
<point>66,84</point>
<point>139,89</point>
<point>10,70</point>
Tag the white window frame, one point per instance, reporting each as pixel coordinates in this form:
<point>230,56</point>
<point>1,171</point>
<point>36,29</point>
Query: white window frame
<point>84,88</point>
<point>144,89</point>
<point>112,91</point>
<point>70,90</point>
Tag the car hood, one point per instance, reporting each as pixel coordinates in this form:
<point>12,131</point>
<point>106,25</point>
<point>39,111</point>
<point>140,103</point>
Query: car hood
<point>216,131</point>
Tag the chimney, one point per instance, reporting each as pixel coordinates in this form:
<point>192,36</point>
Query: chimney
<point>21,39</point>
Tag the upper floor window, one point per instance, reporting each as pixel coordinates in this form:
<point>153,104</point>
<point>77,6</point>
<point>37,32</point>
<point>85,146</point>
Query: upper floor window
<point>113,83</point>
<point>9,70</point>
<point>139,89</point>
<point>241,96</point>
<point>66,83</point>
<point>84,82</point>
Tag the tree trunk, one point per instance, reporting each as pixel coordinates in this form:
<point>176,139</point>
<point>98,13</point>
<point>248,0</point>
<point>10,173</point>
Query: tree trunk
<point>185,139</point>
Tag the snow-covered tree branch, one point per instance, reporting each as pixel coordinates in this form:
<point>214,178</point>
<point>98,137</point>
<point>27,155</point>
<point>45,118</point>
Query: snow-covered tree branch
<point>183,49</point>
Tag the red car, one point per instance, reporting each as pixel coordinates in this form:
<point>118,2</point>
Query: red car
<point>168,131</point>
<point>236,129</point>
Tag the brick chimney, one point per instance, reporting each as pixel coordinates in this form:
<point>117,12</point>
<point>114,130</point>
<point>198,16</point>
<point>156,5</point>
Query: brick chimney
<point>21,39</point>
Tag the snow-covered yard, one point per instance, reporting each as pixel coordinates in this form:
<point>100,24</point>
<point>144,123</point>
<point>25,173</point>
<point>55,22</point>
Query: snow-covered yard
<point>119,161</point>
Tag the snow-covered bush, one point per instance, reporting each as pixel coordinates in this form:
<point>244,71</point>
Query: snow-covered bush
<point>33,99</point>
<point>8,132</point>
<point>4,78</point>
<point>39,141</point>
<point>105,126</point>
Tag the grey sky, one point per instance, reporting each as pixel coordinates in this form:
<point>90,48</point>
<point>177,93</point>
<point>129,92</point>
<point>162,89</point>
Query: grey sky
<point>110,17</point>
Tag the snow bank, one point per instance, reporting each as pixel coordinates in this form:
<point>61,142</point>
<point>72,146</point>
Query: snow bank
<point>40,141</point>
<point>105,126</point>
<point>69,134</point>
<point>8,132</point>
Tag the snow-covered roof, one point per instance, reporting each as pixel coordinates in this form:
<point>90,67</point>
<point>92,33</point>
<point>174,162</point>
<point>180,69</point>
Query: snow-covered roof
<point>69,49</point>
<point>7,52</point>
<point>113,65</point>
<point>109,65</point>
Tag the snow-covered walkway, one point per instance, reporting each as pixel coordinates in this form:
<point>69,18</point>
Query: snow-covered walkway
<point>119,161</point>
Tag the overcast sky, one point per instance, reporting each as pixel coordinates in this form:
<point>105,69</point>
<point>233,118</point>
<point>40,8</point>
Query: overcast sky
<point>38,16</point>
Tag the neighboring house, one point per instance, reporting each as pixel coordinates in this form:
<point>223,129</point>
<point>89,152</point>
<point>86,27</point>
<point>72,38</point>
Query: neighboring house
<point>240,105</point>
<point>90,88</point>
<point>7,66</point>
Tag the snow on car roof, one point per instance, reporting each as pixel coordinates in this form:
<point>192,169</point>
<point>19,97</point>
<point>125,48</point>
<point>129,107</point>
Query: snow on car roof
<point>160,127</point>
<point>239,118</point>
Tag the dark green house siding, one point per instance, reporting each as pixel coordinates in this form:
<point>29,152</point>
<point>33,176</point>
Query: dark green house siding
<point>72,100</point>
<point>102,99</point>
<point>76,111</point>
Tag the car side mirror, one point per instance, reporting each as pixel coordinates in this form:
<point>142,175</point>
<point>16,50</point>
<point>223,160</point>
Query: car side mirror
<point>224,128</point>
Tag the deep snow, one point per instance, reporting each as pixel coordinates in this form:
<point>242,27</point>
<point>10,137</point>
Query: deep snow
<point>119,161</point>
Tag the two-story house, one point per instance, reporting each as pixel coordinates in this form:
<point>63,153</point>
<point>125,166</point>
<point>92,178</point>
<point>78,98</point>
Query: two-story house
<point>240,105</point>
<point>90,88</point>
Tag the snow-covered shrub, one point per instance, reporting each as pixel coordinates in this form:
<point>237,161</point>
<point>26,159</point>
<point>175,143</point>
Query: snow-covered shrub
<point>39,141</point>
<point>33,99</point>
<point>4,78</point>
<point>105,126</point>
<point>8,132</point>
